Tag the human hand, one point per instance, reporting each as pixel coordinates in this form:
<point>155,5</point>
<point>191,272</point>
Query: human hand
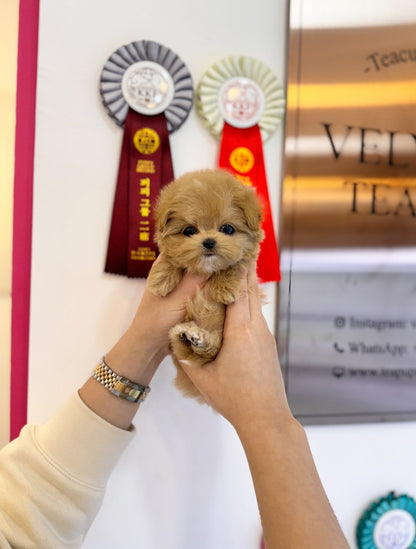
<point>146,340</point>
<point>157,315</point>
<point>138,352</point>
<point>244,383</point>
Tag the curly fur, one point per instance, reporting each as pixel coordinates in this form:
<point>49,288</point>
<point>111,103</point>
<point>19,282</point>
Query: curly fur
<point>193,217</point>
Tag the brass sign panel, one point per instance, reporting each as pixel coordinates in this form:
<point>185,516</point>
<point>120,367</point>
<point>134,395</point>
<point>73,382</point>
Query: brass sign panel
<point>351,138</point>
<point>347,305</point>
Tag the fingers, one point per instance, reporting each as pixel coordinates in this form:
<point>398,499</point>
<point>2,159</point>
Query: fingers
<point>248,304</point>
<point>195,371</point>
<point>238,312</point>
<point>254,291</point>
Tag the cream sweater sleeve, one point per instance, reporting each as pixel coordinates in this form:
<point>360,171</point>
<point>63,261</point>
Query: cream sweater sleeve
<point>53,477</point>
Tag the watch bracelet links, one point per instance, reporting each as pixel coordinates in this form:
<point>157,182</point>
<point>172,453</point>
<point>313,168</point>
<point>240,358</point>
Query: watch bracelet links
<point>119,385</point>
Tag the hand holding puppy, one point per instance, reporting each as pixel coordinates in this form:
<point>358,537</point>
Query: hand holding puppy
<point>244,383</point>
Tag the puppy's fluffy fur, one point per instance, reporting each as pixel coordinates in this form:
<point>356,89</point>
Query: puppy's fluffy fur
<point>206,222</point>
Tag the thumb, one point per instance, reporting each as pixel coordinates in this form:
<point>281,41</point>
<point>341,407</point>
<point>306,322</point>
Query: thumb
<point>194,370</point>
<point>198,375</point>
<point>187,365</point>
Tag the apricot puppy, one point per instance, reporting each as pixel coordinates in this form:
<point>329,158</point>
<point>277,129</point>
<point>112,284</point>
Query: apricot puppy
<point>206,222</point>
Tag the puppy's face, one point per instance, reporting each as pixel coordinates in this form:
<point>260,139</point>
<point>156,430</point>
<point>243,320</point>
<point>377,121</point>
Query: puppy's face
<point>208,221</point>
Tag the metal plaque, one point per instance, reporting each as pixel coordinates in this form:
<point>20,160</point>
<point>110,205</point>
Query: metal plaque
<point>347,344</point>
<point>351,138</point>
<point>347,311</point>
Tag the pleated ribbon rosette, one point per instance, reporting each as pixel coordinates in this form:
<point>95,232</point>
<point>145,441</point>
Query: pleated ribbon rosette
<point>241,102</point>
<point>146,88</point>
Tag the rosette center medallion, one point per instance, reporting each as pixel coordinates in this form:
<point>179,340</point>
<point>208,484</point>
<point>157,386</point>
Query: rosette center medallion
<point>147,87</point>
<point>395,530</point>
<point>241,102</point>
<point>389,523</point>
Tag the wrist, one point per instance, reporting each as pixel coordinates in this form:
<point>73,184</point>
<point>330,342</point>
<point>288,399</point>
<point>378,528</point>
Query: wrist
<point>118,385</point>
<point>257,430</point>
<point>135,356</point>
<point>131,358</point>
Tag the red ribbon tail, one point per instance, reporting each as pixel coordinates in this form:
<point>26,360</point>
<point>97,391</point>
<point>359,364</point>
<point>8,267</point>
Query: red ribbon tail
<point>116,261</point>
<point>241,153</point>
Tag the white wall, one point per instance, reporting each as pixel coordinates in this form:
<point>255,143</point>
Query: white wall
<point>183,483</point>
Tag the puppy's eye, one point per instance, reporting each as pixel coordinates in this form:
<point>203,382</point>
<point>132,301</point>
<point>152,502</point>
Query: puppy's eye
<point>189,231</point>
<point>227,229</point>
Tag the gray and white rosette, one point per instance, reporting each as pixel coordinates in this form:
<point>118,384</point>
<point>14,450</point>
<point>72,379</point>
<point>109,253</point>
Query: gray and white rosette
<point>243,91</point>
<point>149,78</point>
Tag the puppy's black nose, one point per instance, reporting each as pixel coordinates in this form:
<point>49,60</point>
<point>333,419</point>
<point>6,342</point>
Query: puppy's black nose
<point>209,243</point>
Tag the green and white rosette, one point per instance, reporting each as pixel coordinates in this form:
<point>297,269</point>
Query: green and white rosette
<point>389,523</point>
<point>243,91</point>
<point>241,102</point>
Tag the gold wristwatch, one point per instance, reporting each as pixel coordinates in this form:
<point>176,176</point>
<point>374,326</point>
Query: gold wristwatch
<point>119,385</point>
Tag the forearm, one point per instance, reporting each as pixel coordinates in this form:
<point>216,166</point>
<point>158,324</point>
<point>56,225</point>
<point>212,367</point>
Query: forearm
<point>294,508</point>
<point>132,357</point>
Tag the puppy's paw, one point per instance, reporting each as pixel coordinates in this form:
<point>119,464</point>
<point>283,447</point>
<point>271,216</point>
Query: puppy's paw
<point>163,279</point>
<point>224,287</point>
<point>190,334</point>
<point>161,287</point>
<point>226,295</point>
<point>192,338</point>
<point>191,342</point>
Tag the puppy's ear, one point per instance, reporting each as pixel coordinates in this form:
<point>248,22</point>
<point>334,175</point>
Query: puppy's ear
<point>248,201</point>
<point>162,213</point>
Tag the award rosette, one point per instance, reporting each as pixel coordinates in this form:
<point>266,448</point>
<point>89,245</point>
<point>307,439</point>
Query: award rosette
<point>146,88</point>
<point>241,101</point>
<point>389,523</point>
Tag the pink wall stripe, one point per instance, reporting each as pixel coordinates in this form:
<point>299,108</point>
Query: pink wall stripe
<point>22,214</point>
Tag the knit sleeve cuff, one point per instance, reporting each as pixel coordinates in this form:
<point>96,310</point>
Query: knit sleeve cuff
<point>81,443</point>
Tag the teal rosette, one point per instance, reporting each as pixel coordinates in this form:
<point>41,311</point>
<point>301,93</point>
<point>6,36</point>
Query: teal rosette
<point>389,523</point>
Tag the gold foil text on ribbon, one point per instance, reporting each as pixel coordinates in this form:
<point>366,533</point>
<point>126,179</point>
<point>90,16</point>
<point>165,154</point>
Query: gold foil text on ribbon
<point>143,254</point>
<point>144,213</point>
<point>145,166</point>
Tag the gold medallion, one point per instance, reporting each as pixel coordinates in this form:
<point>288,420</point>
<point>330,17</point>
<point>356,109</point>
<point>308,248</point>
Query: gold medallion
<point>242,159</point>
<point>146,141</point>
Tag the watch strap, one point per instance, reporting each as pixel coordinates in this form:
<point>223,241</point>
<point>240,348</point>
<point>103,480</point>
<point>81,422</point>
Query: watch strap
<point>119,385</point>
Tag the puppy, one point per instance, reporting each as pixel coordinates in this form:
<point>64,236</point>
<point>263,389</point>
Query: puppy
<point>206,222</point>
